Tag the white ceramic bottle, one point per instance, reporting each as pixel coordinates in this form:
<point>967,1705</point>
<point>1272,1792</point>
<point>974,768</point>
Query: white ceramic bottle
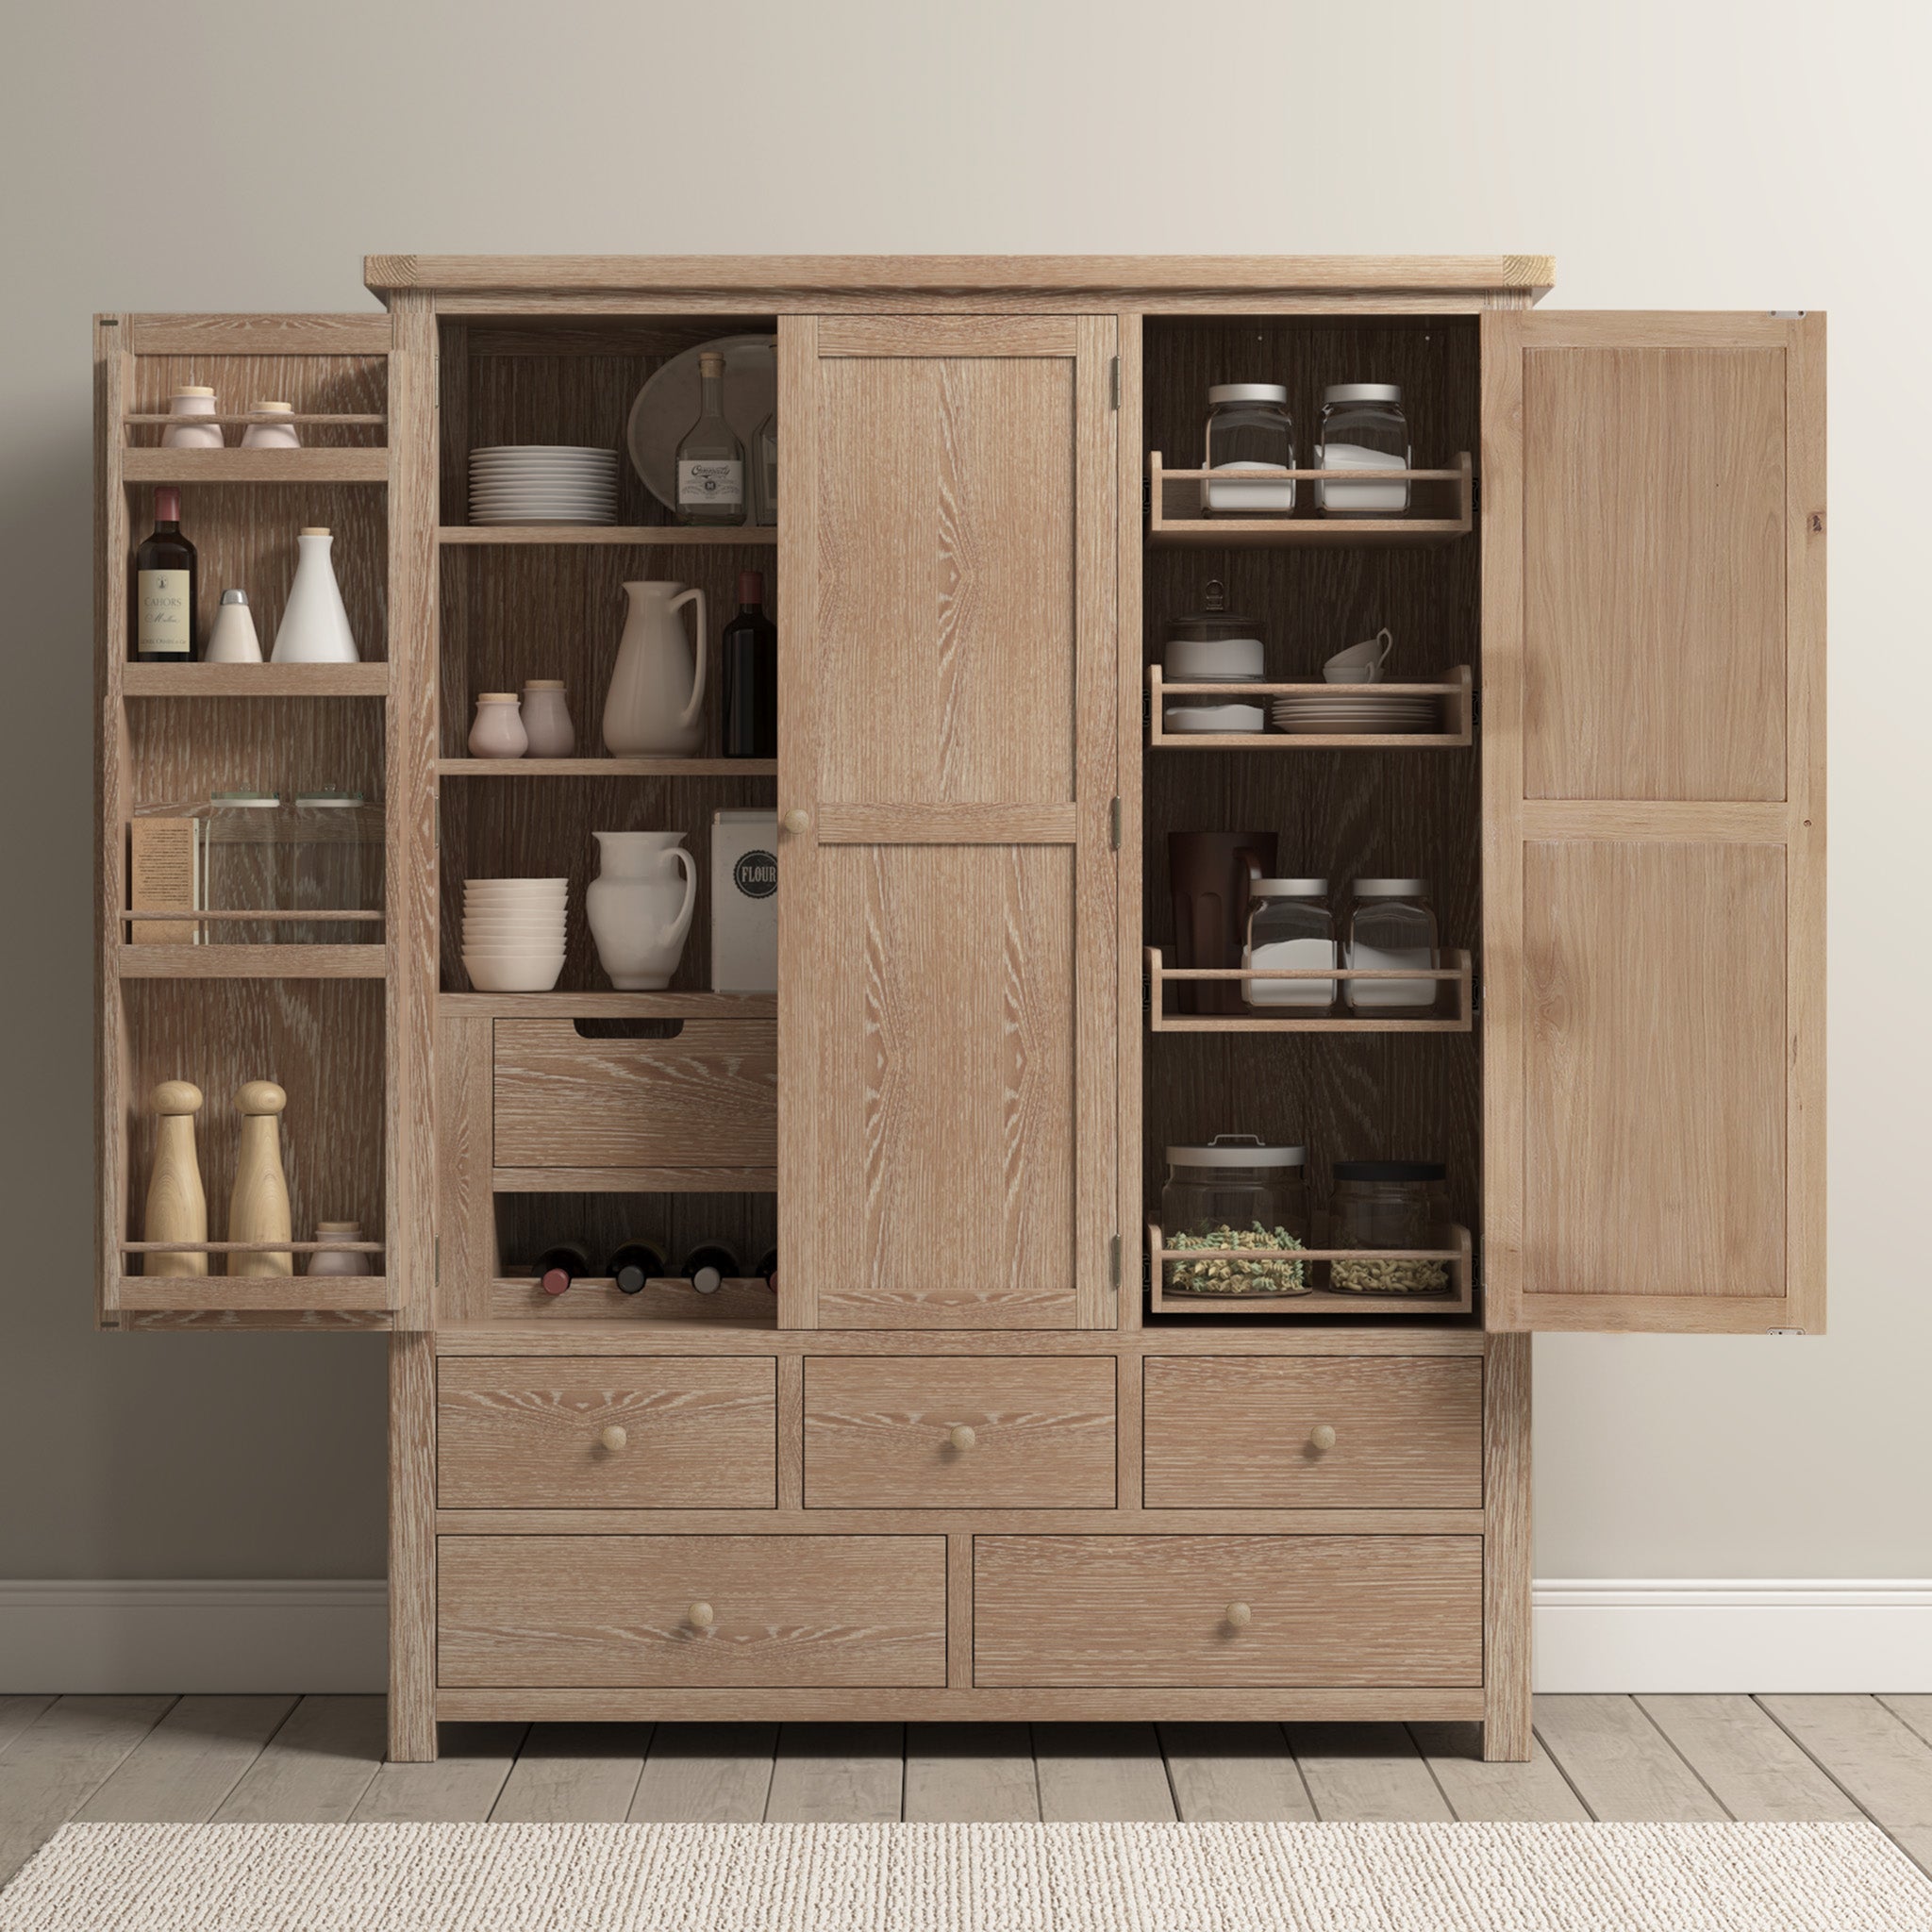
<point>498,732</point>
<point>546,719</point>
<point>187,402</point>
<point>271,435</point>
<point>315,622</point>
<point>639,910</point>
<point>335,1260</point>
<point>233,640</point>
<point>655,704</point>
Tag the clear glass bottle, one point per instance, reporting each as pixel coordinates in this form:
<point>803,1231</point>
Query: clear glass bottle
<point>1290,924</point>
<point>1388,1204</point>
<point>1362,428</point>
<point>1249,428</point>
<point>1237,1193</point>
<point>764,473</point>
<point>710,460</point>
<point>1392,925</point>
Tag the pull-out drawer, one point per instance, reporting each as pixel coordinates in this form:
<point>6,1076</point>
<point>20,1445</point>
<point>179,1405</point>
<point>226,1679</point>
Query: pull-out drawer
<point>954,1432</point>
<point>707,1098</point>
<point>616,1613</point>
<point>1313,1432</point>
<point>1227,1612</point>
<point>607,1432</point>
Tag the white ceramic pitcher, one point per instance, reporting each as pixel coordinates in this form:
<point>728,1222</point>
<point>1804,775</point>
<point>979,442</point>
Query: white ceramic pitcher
<point>655,704</point>
<point>639,910</point>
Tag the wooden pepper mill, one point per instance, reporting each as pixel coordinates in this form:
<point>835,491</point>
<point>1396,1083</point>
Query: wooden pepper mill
<point>177,1204</point>
<point>259,1208</point>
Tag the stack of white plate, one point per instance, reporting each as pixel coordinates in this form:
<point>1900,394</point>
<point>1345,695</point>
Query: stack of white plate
<point>1354,707</point>
<point>542,483</point>
<point>513,933</point>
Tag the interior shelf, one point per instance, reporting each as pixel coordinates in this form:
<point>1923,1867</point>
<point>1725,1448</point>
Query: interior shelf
<point>608,1006</point>
<point>1456,689</point>
<point>311,465</point>
<point>1455,1251</point>
<point>1456,970</point>
<point>354,961</point>
<point>253,1294</point>
<point>746,1302</point>
<point>608,768</point>
<point>763,535</point>
<point>1455,487</point>
<point>366,680</point>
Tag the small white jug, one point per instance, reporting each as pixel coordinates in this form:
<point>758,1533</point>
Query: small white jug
<point>655,704</point>
<point>639,910</point>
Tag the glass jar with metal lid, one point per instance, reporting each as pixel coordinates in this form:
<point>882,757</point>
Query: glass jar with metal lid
<point>1362,428</point>
<point>1289,926</point>
<point>335,854</point>
<point>1392,925</point>
<point>1236,1194</point>
<point>1249,428</point>
<point>1388,1204</point>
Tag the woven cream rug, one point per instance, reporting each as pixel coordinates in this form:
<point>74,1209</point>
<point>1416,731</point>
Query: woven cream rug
<point>968,1878</point>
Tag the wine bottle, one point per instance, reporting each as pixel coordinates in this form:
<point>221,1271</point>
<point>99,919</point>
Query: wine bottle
<point>710,1265</point>
<point>164,587</point>
<point>751,674</point>
<point>767,1270</point>
<point>634,1263</point>
<point>557,1267</point>
<point>710,460</point>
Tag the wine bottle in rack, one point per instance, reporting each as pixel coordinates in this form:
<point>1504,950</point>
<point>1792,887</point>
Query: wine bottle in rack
<point>767,1270</point>
<point>164,587</point>
<point>634,1263</point>
<point>710,1265</point>
<point>559,1266</point>
<point>750,650</point>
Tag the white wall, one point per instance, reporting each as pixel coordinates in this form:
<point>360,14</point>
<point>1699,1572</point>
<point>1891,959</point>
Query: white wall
<point>1742,155</point>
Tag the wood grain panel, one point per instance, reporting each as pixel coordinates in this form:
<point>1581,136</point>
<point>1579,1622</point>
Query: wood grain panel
<point>1152,1610</point>
<point>613,1611</point>
<point>709,1095</point>
<point>879,1433</point>
<point>1654,582</point>
<point>1653,1068</point>
<point>698,1435</point>
<point>1235,1432</point>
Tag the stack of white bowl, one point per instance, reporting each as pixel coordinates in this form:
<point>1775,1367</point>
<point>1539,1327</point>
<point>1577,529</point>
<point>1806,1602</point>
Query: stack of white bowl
<point>542,483</point>
<point>513,933</point>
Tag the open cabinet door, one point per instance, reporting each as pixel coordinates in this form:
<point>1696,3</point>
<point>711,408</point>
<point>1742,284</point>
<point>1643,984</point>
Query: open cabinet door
<point>1652,510</point>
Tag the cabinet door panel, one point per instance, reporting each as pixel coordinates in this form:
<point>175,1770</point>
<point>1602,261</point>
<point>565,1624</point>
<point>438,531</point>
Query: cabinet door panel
<point>1654,813</point>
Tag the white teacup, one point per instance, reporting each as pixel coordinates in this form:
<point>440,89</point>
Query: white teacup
<point>1360,663</point>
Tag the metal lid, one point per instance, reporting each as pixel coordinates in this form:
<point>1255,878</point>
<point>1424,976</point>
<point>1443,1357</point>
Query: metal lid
<point>1391,888</point>
<point>1236,1150</point>
<point>1247,392</point>
<point>235,597</point>
<point>250,798</point>
<point>1214,623</point>
<point>1289,889</point>
<point>328,797</point>
<point>1362,392</point>
<point>1389,1170</point>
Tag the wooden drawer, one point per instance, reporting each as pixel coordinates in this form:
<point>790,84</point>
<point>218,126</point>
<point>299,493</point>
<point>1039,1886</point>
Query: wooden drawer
<point>1240,1432</point>
<point>613,1612</point>
<point>880,1432</point>
<point>529,1432</point>
<point>707,1098</point>
<point>1324,1611</point>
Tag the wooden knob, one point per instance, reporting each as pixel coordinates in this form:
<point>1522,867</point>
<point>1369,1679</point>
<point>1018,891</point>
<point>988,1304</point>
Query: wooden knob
<point>1322,1436</point>
<point>262,1096</point>
<point>962,1437</point>
<point>1239,1616</point>
<point>701,1616</point>
<point>614,1438</point>
<point>797,820</point>
<point>176,1096</point>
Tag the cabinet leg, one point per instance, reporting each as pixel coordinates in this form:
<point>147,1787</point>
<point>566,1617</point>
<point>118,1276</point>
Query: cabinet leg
<point>411,1548</point>
<point>1507,1616</point>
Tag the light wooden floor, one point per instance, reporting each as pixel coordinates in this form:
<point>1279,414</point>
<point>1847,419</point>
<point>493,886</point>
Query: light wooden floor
<point>319,1760</point>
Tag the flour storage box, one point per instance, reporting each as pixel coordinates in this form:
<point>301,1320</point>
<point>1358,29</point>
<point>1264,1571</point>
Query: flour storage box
<point>744,900</point>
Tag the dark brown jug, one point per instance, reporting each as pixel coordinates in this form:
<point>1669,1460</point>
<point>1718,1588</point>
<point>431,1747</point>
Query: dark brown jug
<point>1209,873</point>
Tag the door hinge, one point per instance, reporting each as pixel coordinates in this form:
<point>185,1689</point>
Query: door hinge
<point>1113,821</point>
<point>437,1276</point>
<point>1115,380</point>
<point>1114,1262</point>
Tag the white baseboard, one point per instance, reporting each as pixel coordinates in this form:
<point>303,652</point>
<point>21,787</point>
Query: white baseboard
<point>1730,1634</point>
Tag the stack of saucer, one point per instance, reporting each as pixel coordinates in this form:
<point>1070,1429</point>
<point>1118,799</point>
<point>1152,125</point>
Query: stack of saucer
<point>1356,709</point>
<point>542,483</point>
<point>513,933</point>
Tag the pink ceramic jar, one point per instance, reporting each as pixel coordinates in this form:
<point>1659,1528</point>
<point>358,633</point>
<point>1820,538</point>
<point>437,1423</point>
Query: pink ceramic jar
<point>498,732</point>
<point>546,719</point>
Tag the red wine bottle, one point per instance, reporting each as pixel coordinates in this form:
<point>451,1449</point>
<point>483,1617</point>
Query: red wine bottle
<point>162,624</point>
<point>710,1265</point>
<point>751,674</point>
<point>634,1263</point>
<point>557,1267</point>
<point>767,1270</point>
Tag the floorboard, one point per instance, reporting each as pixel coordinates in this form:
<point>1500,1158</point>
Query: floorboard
<point>1089,1772</point>
<point>183,1771</point>
<point>574,1774</point>
<point>1479,1793</point>
<point>1914,1710</point>
<point>316,1768</point>
<point>1622,1766</point>
<point>459,1789</point>
<point>706,1774</point>
<point>1366,1773</point>
<point>17,1713</point>
<point>971,1774</point>
<point>1233,1772</point>
<point>1752,1767</point>
<point>1879,1758</point>
<point>838,1775</point>
<point>60,1760</point>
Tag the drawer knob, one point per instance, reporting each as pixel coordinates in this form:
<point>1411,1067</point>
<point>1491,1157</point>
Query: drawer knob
<point>962,1437</point>
<point>701,1616</point>
<point>797,820</point>
<point>614,1438</point>
<point>1239,1616</point>
<point>1322,1437</point>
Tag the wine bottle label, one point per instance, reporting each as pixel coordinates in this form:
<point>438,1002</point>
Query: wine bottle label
<point>161,617</point>
<point>711,480</point>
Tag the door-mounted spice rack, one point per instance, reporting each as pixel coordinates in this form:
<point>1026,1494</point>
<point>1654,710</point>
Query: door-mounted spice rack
<point>1450,494</point>
<point>1455,692</point>
<point>1453,1252</point>
<point>1456,970</point>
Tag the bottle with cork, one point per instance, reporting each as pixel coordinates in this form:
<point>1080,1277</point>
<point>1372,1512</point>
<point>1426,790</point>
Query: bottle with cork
<point>750,651</point>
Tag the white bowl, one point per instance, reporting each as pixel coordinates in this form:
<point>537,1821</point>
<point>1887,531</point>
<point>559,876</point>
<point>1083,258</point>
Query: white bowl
<point>1230,718</point>
<point>528,892</point>
<point>483,936</point>
<point>493,976</point>
<point>1209,661</point>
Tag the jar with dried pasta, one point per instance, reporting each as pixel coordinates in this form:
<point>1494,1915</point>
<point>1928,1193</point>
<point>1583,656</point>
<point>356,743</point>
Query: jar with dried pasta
<point>1244,1204</point>
<point>1388,1204</point>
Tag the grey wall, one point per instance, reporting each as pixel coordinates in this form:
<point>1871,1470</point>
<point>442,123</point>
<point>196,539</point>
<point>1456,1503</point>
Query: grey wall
<point>1707,156</point>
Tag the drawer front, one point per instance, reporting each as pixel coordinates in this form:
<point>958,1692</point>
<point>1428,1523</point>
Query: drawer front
<point>616,1432</point>
<point>1322,1612</point>
<point>1251,1432</point>
<point>932,1432</point>
<point>707,1098</point>
<point>621,1612</point>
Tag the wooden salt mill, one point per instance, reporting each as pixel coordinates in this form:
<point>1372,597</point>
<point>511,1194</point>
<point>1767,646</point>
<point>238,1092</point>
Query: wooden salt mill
<point>177,1204</point>
<point>259,1208</point>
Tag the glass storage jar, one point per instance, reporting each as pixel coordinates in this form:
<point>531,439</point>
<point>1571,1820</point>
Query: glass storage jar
<point>1289,926</point>
<point>1362,428</point>
<point>1388,1204</point>
<point>1236,1192</point>
<point>1249,428</point>
<point>1392,925</point>
<point>335,864</point>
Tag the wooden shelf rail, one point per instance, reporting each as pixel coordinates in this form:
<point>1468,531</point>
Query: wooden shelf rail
<point>1455,1252</point>
<point>672,534</point>
<point>1332,529</point>
<point>1455,691</point>
<point>1457,970</point>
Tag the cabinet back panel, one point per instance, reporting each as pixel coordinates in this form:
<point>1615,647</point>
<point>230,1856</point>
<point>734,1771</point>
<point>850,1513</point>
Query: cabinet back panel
<point>181,748</point>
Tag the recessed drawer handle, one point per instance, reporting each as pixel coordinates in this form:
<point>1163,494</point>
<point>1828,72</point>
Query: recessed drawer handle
<point>701,1616</point>
<point>1239,1616</point>
<point>962,1437</point>
<point>1321,1439</point>
<point>614,1438</point>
